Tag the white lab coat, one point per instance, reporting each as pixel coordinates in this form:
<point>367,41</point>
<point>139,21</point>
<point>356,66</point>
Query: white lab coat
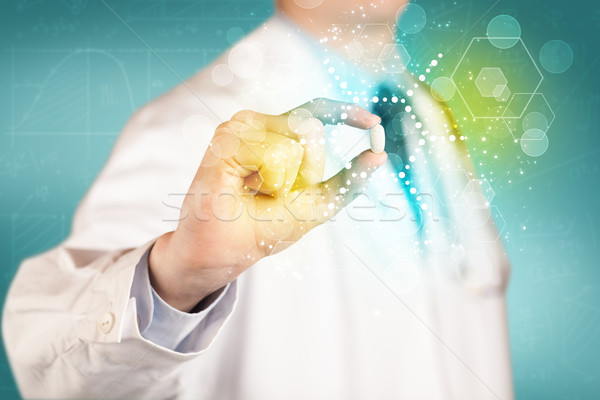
<point>336,316</point>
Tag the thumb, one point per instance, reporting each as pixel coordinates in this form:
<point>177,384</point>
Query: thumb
<point>340,189</point>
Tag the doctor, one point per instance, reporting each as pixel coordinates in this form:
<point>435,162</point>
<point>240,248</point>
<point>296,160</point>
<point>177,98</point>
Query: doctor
<point>268,254</point>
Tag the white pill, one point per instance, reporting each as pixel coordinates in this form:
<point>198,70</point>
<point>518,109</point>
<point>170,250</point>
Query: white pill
<point>377,137</point>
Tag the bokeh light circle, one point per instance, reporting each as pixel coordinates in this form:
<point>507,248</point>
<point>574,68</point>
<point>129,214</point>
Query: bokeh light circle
<point>443,89</point>
<point>221,74</point>
<point>246,60</point>
<point>503,31</point>
<point>535,120</point>
<point>395,127</point>
<point>234,34</point>
<point>534,142</point>
<point>556,56</point>
<point>298,119</point>
<point>411,18</point>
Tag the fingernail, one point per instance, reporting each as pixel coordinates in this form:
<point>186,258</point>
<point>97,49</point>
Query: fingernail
<point>374,119</point>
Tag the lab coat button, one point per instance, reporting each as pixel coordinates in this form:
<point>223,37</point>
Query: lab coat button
<point>106,322</point>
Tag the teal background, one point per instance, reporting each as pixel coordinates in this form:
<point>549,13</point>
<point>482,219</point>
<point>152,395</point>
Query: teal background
<point>71,74</point>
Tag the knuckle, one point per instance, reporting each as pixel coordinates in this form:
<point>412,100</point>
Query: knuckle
<point>221,131</point>
<point>229,128</point>
<point>223,126</point>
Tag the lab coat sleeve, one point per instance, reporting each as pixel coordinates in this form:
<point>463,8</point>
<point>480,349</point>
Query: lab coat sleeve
<point>70,323</point>
<point>71,330</point>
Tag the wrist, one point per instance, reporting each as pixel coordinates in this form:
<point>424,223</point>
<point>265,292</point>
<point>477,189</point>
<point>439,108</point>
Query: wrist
<point>175,276</point>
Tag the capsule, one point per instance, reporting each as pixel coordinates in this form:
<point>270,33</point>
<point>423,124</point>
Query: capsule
<point>377,136</point>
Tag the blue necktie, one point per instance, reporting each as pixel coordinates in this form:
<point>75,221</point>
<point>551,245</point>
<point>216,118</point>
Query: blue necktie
<point>392,110</point>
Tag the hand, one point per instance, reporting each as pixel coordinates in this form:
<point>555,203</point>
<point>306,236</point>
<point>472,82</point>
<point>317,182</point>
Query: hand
<point>257,191</point>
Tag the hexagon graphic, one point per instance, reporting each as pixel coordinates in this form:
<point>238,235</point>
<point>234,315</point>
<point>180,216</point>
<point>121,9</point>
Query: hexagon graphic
<point>450,186</point>
<point>376,34</point>
<point>534,112</point>
<point>394,58</point>
<point>479,193</point>
<point>483,87</point>
<point>503,95</point>
<point>354,50</point>
<point>491,82</point>
<point>479,222</point>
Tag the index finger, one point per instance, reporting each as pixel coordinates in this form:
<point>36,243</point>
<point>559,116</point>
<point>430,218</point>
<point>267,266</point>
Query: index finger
<point>327,111</point>
<point>333,112</point>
